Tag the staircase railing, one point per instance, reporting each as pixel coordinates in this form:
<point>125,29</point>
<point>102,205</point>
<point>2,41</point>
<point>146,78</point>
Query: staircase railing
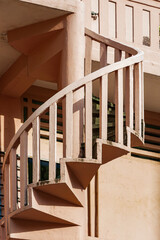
<point>131,66</point>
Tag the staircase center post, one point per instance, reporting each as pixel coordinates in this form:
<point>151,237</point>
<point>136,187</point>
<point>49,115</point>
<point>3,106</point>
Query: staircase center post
<point>72,70</point>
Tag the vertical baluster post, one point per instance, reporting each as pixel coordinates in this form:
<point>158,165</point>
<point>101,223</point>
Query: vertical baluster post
<point>118,100</point>
<point>52,140</point>
<point>36,150</point>
<point>88,56</point>
<point>69,125</point>
<point>13,179</point>
<point>6,197</point>
<point>129,96</point>
<point>138,97</point>
<point>119,106</point>
<point>88,120</point>
<point>23,167</point>
<point>88,100</point>
<point>117,55</point>
<point>103,94</point>
<point>103,55</point>
<point>142,96</point>
<point>103,106</point>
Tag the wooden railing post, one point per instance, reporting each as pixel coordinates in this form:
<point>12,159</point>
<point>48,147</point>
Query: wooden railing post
<point>88,100</point>
<point>6,197</point>
<point>23,167</point>
<point>69,125</point>
<point>103,107</point>
<point>129,96</point>
<point>13,179</point>
<point>36,150</point>
<point>117,55</point>
<point>142,98</point>
<point>138,99</point>
<point>52,140</point>
<point>103,94</point>
<point>103,55</point>
<point>119,106</point>
<point>88,56</point>
<point>118,100</point>
<point>88,120</point>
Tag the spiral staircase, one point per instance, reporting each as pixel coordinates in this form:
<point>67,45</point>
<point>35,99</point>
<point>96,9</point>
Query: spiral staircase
<point>55,208</point>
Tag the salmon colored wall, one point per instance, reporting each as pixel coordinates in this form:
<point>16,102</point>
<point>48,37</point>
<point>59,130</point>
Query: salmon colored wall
<point>10,119</point>
<point>129,196</point>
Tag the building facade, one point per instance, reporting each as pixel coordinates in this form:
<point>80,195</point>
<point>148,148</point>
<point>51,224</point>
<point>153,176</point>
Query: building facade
<point>80,119</point>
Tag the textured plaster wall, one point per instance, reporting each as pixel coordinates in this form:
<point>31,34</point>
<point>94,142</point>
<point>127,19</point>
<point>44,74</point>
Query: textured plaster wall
<point>10,119</point>
<point>129,200</point>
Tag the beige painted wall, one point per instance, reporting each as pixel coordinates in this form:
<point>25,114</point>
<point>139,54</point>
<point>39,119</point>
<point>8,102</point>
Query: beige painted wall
<point>129,197</point>
<point>10,119</point>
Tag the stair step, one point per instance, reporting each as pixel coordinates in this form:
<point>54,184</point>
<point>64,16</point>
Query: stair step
<point>83,169</point>
<point>110,150</point>
<point>56,207</point>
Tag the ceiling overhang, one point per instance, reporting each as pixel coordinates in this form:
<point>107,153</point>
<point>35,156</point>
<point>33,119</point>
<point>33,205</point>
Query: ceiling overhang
<point>15,14</point>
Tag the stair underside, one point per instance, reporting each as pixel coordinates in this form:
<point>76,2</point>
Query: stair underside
<point>34,230</point>
<point>83,169</point>
<point>32,214</point>
<point>111,150</point>
<point>60,190</point>
<point>135,139</point>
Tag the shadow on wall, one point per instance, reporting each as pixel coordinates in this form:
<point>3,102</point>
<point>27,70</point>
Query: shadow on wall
<point>10,119</point>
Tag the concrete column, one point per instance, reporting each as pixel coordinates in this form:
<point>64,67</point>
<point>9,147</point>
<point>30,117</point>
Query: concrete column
<point>72,69</point>
<point>73,52</point>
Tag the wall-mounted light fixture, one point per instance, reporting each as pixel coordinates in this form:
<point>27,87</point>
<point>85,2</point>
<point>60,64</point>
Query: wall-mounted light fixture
<point>94,15</point>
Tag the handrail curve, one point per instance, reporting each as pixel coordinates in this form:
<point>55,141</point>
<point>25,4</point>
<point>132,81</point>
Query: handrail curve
<point>136,58</point>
